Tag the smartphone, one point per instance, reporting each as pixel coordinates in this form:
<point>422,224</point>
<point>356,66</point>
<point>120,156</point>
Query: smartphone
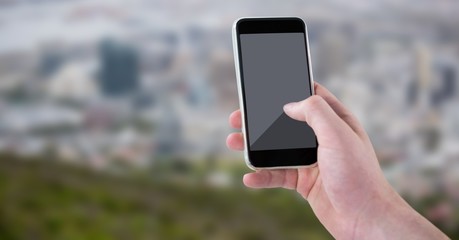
<point>273,68</point>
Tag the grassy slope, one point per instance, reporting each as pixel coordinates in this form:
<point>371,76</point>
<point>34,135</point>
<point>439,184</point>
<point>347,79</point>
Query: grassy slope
<point>47,200</point>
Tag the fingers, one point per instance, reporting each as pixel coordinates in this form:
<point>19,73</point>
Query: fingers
<point>339,109</point>
<point>235,141</point>
<point>235,119</point>
<point>330,129</point>
<point>285,178</point>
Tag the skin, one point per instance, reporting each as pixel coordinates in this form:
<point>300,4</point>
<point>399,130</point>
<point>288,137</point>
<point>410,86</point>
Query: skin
<point>347,189</point>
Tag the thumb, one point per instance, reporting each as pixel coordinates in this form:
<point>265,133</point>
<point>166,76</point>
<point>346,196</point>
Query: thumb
<point>329,128</point>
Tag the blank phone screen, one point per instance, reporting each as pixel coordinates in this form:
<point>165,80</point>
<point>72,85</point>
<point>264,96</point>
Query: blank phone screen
<point>275,72</point>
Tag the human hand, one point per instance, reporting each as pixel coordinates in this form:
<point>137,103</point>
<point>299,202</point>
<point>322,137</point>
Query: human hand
<point>347,190</point>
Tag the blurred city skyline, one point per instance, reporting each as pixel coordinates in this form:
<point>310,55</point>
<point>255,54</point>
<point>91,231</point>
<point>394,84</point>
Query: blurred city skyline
<point>97,83</point>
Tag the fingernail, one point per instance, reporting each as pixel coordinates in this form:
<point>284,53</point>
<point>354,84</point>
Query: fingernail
<point>289,106</point>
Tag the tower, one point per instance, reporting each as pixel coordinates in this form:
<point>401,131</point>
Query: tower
<point>119,68</point>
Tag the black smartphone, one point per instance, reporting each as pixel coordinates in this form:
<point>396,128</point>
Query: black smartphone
<point>273,68</point>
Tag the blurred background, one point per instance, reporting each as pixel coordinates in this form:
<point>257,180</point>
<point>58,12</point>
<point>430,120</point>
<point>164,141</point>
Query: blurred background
<point>113,114</point>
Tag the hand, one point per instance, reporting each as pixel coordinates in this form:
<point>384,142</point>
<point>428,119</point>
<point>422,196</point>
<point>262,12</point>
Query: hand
<point>347,190</point>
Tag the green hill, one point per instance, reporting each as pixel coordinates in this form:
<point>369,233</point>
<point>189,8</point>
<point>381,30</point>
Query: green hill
<point>41,199</point>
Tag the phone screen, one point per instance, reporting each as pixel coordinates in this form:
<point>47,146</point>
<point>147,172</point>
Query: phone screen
<point>275,72</point>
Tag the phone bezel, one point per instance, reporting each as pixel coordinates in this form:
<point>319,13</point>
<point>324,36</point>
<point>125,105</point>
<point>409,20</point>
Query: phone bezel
<point>279,158</point>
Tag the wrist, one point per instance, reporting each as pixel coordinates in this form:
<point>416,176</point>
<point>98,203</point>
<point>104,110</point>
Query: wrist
<point>394,219</point>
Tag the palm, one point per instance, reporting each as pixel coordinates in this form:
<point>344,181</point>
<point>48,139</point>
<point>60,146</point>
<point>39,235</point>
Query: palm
<point>310,186</point>
<point>323,199</point>
<point>316,195</point>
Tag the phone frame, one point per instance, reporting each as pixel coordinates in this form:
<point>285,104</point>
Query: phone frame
<point>292,158</point>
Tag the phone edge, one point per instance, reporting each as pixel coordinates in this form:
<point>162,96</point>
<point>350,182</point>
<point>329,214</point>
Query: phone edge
<point>239,91</point>
<point>239,88</point>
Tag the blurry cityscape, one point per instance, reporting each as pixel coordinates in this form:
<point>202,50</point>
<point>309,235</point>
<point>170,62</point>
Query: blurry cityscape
<point>117,86</point>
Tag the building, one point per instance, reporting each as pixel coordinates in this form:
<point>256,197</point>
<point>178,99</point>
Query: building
<point>119,73</point>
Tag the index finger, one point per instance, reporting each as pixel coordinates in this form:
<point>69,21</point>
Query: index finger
<point>235,119</point>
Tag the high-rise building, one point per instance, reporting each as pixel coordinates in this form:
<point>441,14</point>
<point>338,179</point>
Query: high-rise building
<point>446,77</point>
<point>419,91</point>
<point>119,73</point>
<point>169,132</point>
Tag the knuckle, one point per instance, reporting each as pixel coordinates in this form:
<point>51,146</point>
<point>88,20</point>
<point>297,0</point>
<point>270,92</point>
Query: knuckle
<point>313,102</point>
